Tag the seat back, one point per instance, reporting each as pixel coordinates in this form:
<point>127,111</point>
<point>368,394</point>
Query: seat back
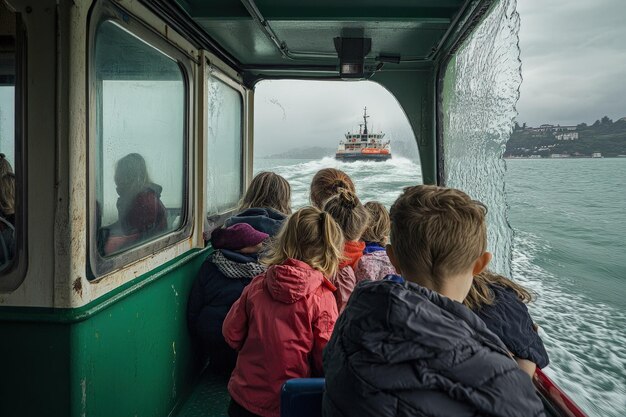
<point>302,397</point>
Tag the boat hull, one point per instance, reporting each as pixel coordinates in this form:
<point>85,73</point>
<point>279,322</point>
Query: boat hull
<point>362,157</point>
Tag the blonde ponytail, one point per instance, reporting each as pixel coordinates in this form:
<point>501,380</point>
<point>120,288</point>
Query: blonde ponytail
<point>310,236</point>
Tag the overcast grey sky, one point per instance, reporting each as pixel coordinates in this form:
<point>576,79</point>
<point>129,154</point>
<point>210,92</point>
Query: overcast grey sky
<point>573,66</point>
<point>290,113</point>
<point>573,60</point>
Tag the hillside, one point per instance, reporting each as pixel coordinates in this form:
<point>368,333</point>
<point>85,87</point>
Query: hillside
<point>604,136</point>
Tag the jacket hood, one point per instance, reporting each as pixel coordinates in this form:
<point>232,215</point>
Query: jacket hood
<point>264,220</point>
<point>421,322</point>
<point>155,188</point>
<point>352,252</point>
<point>293,280</point>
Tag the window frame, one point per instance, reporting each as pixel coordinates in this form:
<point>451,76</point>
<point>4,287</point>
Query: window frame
<point>218,218</point>
<point>14,276</point>
<point>100,266</point>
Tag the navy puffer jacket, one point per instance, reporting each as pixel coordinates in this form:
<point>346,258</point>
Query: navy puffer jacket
<point>220,282</point>
<point>509,319</point>
<point>402,350</point>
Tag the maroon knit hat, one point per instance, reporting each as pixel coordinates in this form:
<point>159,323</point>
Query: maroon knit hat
<point>237,236</point>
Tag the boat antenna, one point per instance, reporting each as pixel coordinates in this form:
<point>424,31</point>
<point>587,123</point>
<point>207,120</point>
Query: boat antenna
<point>365,116</point>
<point>360,128</point>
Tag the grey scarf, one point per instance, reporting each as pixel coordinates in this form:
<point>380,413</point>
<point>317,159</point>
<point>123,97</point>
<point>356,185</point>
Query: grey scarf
<point>233,269</point>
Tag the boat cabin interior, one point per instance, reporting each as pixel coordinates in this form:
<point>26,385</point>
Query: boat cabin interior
<point>94,327</point>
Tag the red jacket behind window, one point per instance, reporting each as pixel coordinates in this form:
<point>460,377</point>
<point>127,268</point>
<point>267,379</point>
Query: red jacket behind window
<point>280,326</point>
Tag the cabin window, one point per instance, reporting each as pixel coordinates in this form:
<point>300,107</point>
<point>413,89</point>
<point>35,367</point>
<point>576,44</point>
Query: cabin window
<point>11,163</point>
<point>224,146</point>
<point>140,143</point>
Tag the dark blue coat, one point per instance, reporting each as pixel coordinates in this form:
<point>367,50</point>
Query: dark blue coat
<point>401,350</point>
<point>509,319</point>
<point>264,220</point>
<point>212,295</point>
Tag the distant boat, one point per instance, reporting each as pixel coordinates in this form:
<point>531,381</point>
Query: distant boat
<point>364,146</point>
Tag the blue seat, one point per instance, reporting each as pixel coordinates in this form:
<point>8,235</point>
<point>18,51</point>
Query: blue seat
<point>302,397</point>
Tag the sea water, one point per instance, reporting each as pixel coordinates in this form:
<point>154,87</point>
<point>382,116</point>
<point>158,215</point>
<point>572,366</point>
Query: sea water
<point>569,248</point>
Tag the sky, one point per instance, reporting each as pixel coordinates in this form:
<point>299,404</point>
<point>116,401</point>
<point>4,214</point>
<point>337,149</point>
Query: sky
<point>573,68</point>
<point>293,113</point>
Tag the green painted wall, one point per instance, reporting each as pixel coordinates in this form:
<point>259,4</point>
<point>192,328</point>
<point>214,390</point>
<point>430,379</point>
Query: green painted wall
<point>132,357</point>
<point>415,91</point>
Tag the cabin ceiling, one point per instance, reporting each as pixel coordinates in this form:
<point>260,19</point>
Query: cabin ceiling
<point>410,29</point>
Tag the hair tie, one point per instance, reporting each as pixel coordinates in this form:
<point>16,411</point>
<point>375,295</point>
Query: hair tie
<point>2,155</point>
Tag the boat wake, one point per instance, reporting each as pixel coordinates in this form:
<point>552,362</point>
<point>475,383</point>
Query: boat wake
<point>587,351</point>
<point>375,180</point>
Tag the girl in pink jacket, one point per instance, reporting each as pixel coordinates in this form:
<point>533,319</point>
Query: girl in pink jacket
<point>375,264</point>
<point>286,315</point>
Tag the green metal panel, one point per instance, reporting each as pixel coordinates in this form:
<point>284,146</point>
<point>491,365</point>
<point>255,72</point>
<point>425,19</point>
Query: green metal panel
<point>415,92</point>
<point>35,366</point>
<point>128,354</point>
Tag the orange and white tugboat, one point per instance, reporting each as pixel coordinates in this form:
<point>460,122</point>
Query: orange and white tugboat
<point>364,146</point>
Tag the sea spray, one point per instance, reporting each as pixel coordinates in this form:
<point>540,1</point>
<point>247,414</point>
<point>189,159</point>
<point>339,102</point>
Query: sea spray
<point>480,90</point>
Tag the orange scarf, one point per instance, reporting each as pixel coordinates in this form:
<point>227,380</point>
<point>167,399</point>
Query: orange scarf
<point>352,252</point>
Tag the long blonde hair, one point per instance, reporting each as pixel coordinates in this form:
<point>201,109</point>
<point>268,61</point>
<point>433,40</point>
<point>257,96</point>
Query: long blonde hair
<point>268,190</point>
<point>480,293</point>
<point>311,236</point>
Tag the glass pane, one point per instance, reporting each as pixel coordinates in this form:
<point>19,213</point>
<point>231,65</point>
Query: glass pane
<point>481,87</point>
<point>140,132</point>
<point>224,149</point>
<point>7,139</point>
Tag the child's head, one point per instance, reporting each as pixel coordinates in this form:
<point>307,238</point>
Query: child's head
<point>268,190</point>
<point>480,293</point>
<point>311,236</point>
<point>347,210</point>
<point>131,174</point>
<point>377,230</point>
<point>326,183</point>
<point>439,238</point>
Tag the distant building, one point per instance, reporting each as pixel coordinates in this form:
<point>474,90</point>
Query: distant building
<point>567,136</point>
<point>596,155</point>
<point>559,155</point>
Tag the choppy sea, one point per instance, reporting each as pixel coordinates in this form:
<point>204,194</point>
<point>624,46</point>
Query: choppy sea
<point>569,222</point>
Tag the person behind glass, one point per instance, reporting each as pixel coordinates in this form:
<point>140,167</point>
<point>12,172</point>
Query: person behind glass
<point>7,190</point>
<point>265,205</point>
<point>327,183</point>
<point>7,212</point>
<point>406,345</point>
<point>347,210</point>
<point>501,304</point>
<point>141,214</point>
<point>220,282</point>
<point>375,264</point>
<point>285,317</point>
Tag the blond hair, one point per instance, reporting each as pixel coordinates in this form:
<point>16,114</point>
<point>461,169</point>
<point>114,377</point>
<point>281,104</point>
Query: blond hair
<point>7,194</point>
<point>347,210</point>
<point>5,166</point>
<point>437,232</point>
<point>377,230</point>
<point>481,294</point>
<point>268,190</point>
<point>326,183</point>
<point>311,236</point>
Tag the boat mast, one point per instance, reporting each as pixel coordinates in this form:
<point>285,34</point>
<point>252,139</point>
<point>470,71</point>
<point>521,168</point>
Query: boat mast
<point>365,116</point>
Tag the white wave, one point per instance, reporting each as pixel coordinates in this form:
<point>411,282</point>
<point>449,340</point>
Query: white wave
<point>382,181</point>
<point>585,339</point>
